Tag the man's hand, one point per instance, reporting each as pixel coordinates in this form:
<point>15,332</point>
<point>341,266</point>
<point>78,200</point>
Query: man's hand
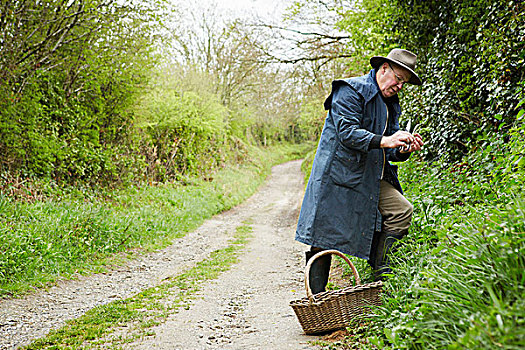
<point>414,146</point>
<point>403,139</point>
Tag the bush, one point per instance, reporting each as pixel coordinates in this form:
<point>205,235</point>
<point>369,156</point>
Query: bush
<point>68,74</point>
<point>188,133</point>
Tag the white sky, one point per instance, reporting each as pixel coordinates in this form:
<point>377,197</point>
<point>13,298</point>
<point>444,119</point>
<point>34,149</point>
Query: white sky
<point>218,12</point>
<point>263,8</point>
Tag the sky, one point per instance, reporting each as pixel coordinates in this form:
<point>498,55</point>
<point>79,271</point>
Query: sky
<point>217,12</point>
<point>262,8</point>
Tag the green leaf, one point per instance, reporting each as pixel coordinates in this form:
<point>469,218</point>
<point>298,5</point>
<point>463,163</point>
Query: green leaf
<point>520,114</point>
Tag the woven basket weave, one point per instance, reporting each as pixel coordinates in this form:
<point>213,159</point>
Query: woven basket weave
<point>335,309</point>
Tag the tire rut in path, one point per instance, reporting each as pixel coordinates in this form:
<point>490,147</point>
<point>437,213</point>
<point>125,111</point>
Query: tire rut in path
<point>273,210</point>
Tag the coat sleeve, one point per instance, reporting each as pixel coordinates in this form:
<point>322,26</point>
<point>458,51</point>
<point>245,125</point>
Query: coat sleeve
<point>346,112</point>
<point>394,155</point>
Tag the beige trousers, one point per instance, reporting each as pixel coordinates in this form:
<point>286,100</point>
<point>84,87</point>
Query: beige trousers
<point>395,209</point>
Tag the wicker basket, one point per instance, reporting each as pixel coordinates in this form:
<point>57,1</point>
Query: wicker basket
<point>335,309</point>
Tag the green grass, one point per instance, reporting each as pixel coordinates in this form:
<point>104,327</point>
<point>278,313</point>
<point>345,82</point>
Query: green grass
<point>99,327</point>
<point>459,277</point>
<point>74,232</point>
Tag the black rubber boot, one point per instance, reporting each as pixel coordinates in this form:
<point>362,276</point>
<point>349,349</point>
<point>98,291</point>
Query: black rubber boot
<point>386,246</point>
<point>319,271</point>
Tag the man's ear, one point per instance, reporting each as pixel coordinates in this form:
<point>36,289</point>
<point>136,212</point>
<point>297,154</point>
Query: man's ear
<point>384,67</point>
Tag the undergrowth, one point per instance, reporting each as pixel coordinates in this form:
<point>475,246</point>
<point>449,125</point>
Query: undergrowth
<point>458,278</point>
<point>66,231</point>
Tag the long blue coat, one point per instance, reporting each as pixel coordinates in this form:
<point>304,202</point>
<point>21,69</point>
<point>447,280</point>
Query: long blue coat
<point>339,209</point>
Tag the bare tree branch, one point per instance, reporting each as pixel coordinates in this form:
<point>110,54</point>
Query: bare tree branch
<point>316,34</point>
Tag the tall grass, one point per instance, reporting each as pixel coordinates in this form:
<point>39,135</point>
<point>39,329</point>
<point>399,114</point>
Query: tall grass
<point>70,232</point>
<point>465,291</point>
<point>459,277</point>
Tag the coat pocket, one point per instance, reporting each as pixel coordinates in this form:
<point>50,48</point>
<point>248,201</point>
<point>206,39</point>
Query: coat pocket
<point>347,167</point>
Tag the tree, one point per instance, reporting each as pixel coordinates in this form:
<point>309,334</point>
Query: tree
<point>68,70</point>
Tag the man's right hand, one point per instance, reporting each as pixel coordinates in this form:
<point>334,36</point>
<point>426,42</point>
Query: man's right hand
<point>399,139</point>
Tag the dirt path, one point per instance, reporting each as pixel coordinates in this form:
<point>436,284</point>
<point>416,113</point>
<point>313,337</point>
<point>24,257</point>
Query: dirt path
<point>247,307</point>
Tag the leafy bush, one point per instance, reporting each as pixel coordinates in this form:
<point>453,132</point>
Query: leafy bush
<point>68,74</point>
<point>188,133</point>
<point>312,119</point>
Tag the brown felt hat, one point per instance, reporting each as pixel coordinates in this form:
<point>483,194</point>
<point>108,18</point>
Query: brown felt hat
<point>403,58</point>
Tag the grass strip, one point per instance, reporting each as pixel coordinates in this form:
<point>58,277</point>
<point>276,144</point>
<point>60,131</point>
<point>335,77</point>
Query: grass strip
<point>134,316</point>
<point>78,231</point>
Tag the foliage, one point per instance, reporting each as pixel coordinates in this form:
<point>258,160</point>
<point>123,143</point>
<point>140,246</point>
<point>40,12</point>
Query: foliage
<point>188,133</point>
<point>74,230</point>
<point>91,95</point>
<point>472,58</point>
<point>458,277</point>
<point>311,119</point>
<point>232,55</point>
<point>67,74</point>
<point>364,21</point>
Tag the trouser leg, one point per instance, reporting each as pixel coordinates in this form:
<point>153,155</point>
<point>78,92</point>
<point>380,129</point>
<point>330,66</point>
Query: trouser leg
<point>396,211</point>
<point>319,271</point>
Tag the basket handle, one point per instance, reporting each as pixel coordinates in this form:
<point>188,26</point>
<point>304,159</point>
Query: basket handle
<point>309,293</point>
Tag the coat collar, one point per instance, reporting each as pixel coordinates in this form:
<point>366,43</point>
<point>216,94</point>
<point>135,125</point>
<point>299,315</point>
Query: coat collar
<point>365,85</point>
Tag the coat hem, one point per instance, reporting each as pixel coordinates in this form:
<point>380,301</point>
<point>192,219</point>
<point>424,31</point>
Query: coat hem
<point>321,245</point>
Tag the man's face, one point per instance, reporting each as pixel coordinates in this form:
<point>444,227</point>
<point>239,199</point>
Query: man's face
<point>391,79</point>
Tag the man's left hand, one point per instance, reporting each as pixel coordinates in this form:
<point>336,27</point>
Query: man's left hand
<point>413,146</point>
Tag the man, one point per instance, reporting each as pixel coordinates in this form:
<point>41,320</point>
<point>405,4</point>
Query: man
<point>353,201</point>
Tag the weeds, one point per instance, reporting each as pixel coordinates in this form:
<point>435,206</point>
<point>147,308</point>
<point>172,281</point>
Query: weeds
<point>459,280</point>
<point>70,233</point>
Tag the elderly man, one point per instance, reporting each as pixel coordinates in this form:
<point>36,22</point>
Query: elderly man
<point>353,200</point>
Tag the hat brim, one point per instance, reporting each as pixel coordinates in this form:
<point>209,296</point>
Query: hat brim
<point>376,61</point>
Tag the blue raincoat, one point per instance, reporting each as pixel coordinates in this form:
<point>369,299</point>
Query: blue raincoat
<point>340,206</point>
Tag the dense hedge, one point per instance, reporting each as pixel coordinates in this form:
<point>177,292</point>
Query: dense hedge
<point>473,64</point>
<point>458,277</point>
<point>185,132</point>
